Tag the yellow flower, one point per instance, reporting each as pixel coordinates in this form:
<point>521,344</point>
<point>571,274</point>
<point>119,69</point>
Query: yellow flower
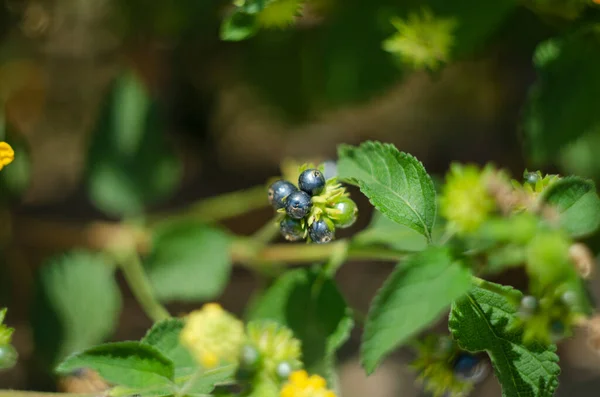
<point>213,335</point>
<point>301,385</point>
<point>465,202</point>
<point>7,154</point>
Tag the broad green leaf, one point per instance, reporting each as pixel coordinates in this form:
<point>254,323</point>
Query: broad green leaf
<point>239,26</point>
<point>130,163</point>
<point>313,308</point>
<point>396,183</point>
<point>384,231</point>
<point>414,295</point>
<point>577,203</point>
<point>482,320</point>
<point>562,104</point>
<point>189,261</point>
<point>130,364</point>
<point>76,305</point>
<point>164,336</point>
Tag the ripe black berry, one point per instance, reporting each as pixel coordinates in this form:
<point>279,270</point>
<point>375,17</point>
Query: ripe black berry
<point>469,367</point>
<point>291,229</point>
<point>312,182</point>
<point>298,204</point>
<point>322,231</point>
<point>279,191</point>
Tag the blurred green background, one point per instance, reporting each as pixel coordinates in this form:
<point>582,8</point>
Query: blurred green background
<point>117,108</point>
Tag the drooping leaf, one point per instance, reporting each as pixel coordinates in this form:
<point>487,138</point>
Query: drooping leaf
<point>76,305</point>
<point>562,104</point>
<point>578,204</point>
<point>415,294</point>
<point>189,261</point>
<point>130,163</point>
<point>130,364</point>
<point>321,320</point>
<point>396,183</point>
<point>164,336</point>
<point>482,320</point>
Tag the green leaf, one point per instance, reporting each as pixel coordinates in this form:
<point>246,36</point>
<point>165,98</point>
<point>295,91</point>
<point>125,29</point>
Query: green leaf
<point>482,320</point>
<point>313,308</point>
<point>189,261</point>
<point>164,336</point>
<point>384,231</point>
<point>577,203</point>
<point>130,164</point>
<point>76,305</point>
<point>238,26</point>
<point>130,364</point>
<point>414,295</point>
<point>396,183</point>
<point>562,104</point>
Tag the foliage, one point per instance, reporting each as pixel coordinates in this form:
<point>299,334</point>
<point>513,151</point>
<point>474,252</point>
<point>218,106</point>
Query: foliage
<point>444,241</point>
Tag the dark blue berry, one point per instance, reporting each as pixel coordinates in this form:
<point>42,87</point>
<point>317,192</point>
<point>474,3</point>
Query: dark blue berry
<point>557,330</point>
<point>298,204</point>
<point>322,231</point>
<point>469,367</point>
<point>279,191</point>
<point>312,182</point>
<point>291,229</point>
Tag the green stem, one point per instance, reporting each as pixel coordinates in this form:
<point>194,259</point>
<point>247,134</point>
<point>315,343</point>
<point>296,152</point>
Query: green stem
<point>220,207</point>
<point>242,252</point>
<point>268,231</point>
<point>140,286</point>
<point>21,393</point>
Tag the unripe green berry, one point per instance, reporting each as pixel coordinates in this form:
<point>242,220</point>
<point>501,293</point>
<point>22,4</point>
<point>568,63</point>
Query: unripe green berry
<point>348,212</point>
<point>8,356</point>
<point>283,370</point>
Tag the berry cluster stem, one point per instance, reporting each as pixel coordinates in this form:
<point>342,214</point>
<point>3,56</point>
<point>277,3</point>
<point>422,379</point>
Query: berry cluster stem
<point>140,286</point>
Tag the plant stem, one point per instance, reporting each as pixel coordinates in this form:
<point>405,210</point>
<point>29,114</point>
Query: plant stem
<point>140,286</point>
<point>268,231</point>
<point>241,252</point>
<point>215,208</point>
<point>21,393</point>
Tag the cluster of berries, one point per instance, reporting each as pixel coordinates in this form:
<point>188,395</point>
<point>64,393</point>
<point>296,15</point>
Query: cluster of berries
<point>314,209</point>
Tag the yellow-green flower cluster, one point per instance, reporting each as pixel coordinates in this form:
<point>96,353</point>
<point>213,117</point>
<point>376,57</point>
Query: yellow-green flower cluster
<point>213,336</point>
<point>275,344</point>
<point>433,363</point>
<point>7,154</point>
<point>423,40</point>
<point>465,201</point>
<point>302,385</point>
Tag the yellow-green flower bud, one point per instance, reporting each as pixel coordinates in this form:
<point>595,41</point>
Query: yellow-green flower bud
<point>465,201</point>
<point>213,336</point>
<point>275,344</point>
